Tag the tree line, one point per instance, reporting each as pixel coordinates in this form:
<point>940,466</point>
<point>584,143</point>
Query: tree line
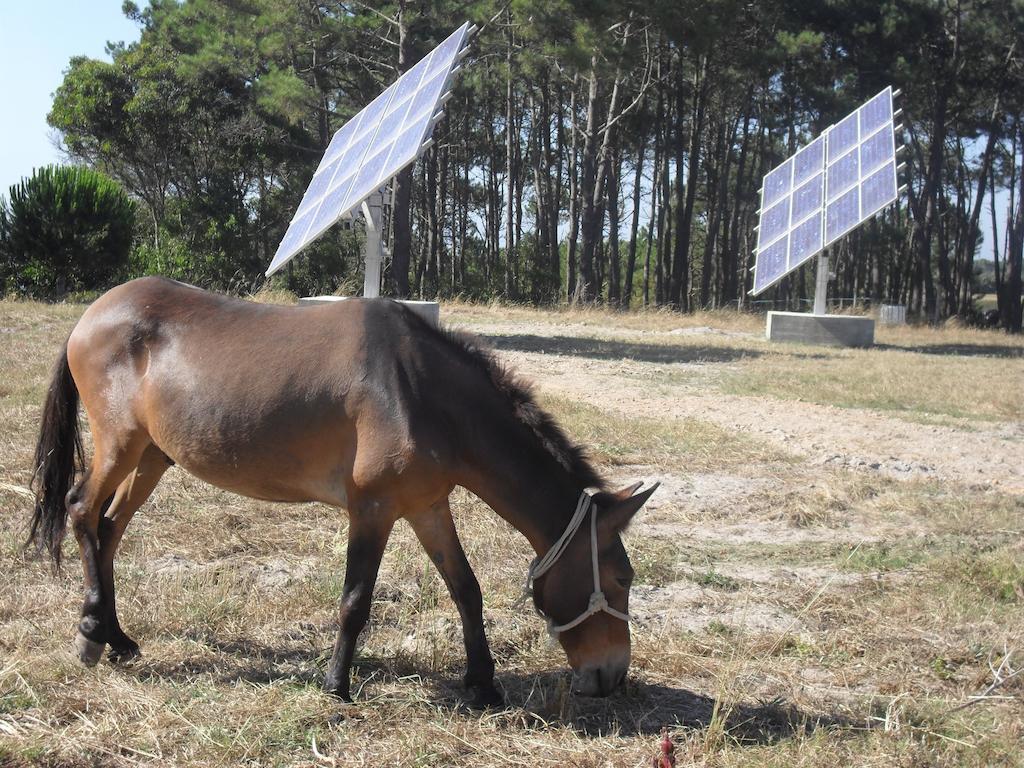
<point>592,151</point>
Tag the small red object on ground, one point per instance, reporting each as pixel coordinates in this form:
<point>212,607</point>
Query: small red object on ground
<point>666,757</point>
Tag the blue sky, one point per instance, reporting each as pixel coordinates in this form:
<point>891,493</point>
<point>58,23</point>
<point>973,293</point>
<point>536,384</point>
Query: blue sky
<point>36,43</point>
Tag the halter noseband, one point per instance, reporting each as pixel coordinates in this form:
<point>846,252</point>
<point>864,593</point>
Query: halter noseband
<point>541,565</point>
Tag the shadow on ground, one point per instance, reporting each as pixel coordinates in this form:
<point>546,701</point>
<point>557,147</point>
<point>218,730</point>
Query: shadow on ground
<point>533,700</point>
<point>601,349</point>
<point>958,350</point>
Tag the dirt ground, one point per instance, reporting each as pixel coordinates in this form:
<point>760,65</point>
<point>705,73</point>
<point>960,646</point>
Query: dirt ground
<point>984,455</point>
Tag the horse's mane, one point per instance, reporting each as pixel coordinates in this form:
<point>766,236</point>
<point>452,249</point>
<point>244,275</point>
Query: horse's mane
<point>519,394</point>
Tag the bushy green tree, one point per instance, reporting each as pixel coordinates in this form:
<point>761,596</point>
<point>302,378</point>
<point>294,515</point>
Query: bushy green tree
<point>64,228</point>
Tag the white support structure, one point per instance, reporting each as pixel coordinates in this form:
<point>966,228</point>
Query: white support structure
<point>821,285</point>
<point>373,248</point>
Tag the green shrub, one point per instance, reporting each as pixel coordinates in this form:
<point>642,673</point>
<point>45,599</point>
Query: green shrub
<point>65,228</point>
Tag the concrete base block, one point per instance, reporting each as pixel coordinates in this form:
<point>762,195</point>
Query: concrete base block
<point>428,310</point>
<point>836,330</point>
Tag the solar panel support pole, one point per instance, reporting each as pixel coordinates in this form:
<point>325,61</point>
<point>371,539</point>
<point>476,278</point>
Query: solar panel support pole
<point>821,285</point>
<point>373,251</point>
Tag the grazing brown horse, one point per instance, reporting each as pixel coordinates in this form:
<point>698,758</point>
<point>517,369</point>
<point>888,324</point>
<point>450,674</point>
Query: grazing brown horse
<point>358,404</point>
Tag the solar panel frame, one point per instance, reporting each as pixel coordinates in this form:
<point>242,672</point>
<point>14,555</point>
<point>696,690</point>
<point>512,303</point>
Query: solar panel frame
<point>372,147</point>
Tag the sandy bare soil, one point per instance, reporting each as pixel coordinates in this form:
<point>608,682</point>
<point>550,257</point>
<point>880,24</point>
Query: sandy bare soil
<point>977,454</point>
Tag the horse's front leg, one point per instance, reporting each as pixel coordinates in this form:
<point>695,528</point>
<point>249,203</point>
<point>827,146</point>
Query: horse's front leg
<point>436,532</point>
<point>368,535</point>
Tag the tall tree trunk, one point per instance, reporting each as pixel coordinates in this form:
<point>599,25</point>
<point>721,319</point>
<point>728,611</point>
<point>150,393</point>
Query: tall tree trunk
<point>679,290</point>
<point>1010,307</point>
<point>590,224</point>
<point>401,238</point>
<point>510,241</point>
<point>614,261</point>
<point>574,199</point>
<point>638,177</point>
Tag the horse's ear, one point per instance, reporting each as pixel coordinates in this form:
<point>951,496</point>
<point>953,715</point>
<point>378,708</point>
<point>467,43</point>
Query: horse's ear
<point>618,507</point>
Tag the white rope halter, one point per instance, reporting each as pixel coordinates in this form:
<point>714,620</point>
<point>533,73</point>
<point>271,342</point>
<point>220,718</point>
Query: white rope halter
<point>541,565</point>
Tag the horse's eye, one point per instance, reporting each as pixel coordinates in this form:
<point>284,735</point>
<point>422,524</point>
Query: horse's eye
<point>625,581</point>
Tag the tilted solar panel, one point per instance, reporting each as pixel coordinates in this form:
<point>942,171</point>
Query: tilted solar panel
<point>839,180</point>
<point>372,147</point>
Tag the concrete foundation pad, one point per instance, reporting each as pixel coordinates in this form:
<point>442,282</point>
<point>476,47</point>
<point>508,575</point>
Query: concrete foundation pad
<point>428,310</point>
<point>836,330</point>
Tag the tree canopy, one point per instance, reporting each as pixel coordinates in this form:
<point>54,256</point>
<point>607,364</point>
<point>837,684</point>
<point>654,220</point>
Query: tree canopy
<point>64,228</point>
<point>598,151</point>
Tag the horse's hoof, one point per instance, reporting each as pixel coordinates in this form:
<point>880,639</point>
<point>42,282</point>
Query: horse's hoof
<point>485,697</point>
<point>89,651</point>
<point>124,653</point>
<point>338,692</point>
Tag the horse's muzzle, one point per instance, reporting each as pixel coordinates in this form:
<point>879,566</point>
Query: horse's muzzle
<point>600,680</point>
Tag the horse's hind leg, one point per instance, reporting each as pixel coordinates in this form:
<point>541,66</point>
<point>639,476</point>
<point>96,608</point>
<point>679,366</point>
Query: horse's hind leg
<point>367,536</point>
<point>436,531</point>
<point>131,494</point>
<point>86,502</point>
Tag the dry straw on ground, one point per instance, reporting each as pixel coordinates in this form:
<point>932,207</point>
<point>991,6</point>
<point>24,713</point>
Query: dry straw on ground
<point>805,597</point>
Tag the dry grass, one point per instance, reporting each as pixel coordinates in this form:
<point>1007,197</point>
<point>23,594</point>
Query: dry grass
<point>973,382</point>
<point>891,604</point>
<point>917,372</point>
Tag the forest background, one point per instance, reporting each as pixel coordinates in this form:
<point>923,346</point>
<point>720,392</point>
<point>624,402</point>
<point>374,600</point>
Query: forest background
<point>603,151</point>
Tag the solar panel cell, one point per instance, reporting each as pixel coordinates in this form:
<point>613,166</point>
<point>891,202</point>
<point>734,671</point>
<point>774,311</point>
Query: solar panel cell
<point>339,141</point>
<point>317,187</point>
<point>444,55</point>
<point>807,199</point>
<point>842,215</point>
<point>877,150</point>
<point>876,112</point>
<point>774,223</point>
<point>366,182</point>
<point>429,93</point>
<point>390,127</point>
<point>878,190</point>
<point>370,117</point>
<point>325,214</point>
<point>808,161</point>
<point>293,239</point>
<point>842,136</point>
<point>843,174</point>
<point>356,152</point>
<point>805,241</point>
<point>777,183</point>
<point>771,264</point>
<point>407,146</point>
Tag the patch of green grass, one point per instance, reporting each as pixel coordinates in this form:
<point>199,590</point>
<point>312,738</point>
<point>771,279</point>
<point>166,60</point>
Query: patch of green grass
<point>712,579</point>
<point>15,701</point>
<point>884,557</point>
<point>998,575</point>
<point>654,560</point>
<point>716,627</point>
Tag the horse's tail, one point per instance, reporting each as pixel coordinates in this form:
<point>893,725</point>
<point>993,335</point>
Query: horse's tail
<point>58,458</point>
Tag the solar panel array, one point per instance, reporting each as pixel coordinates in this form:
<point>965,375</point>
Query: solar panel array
<point>839,180</point>
<point>373,146</point>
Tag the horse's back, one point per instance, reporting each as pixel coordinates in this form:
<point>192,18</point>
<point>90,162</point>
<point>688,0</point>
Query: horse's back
<point>270,401</point>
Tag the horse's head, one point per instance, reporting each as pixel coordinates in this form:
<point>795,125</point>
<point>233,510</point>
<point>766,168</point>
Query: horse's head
<point>594,632</point>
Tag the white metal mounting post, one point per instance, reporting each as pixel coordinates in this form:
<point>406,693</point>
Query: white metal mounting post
<point>821,284</point>
<point>373,249</point>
